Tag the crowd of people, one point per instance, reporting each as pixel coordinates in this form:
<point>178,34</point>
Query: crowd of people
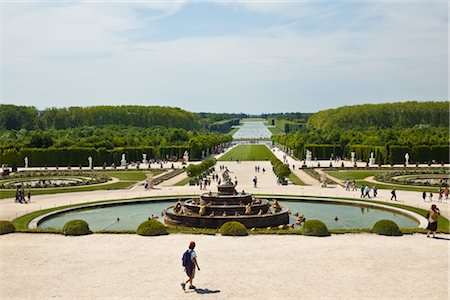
<point>20,195</point>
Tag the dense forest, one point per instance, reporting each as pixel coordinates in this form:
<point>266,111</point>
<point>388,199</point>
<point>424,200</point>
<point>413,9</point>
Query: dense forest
<point>420,128</point>
<point>382,116</point>
<point>102,132</point>
<point>28,117</point>
<point>388,130</point>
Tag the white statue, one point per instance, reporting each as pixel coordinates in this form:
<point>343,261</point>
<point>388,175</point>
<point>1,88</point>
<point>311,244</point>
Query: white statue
<point>123,162</point>
<point>353,154</point>
<point>308,155</point>
<point>144,158</point>
<point>371,159</point>
<point>323,180</point>
<point>90,162</point>
<point>26,162</point>
<point>406,159</point>
<point>186,156</point>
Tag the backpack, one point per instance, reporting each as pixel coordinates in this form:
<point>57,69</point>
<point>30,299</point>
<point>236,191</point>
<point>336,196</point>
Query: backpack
<point>186,259</point>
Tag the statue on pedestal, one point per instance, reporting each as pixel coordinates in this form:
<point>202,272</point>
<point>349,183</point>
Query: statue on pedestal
<point>353,154</point>
<point>144,158</point>
<point>123,162</point>
<point>90,162</point>
<point>406,159</point>
<point>371,159</point>
<point>186,156</point>
<point>26,162</point>
<point>308,155</point>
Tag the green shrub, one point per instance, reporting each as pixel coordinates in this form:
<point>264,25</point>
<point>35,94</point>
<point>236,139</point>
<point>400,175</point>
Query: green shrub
<point>6,227</point>
<point>151,228</point>
<point>314,228</point>
<point>386,227</point>
<point>76,227</point>
<point>233,228</point>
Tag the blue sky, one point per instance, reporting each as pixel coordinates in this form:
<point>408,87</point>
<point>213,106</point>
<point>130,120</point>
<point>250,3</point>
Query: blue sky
<point>223,56</point>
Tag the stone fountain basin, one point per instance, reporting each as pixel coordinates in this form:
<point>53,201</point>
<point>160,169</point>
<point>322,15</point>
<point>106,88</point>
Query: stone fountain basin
<point>249,221</point>
<point>229,209</point>
<point>235,199</point>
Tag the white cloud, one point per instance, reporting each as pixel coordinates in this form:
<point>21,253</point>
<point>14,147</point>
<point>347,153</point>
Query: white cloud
<point>81,54</point>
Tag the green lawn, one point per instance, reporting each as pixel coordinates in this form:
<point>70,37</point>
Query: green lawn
<point>127,179</point>
<point>295,180</point>
<point>132,175</point>
<point>183,182</point>
<point>352,175</point>
<point>275,131</point>
<point>359,176</point>
<point>248,152</point>
<point>233,131</point>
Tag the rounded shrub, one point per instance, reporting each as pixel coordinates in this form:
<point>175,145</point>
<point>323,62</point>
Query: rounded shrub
<point>314,228</point>
<point>386,227</point>
<point>233,228</point>
<point>6,227</point>
<point>76,227</point>
<point>151,227</point>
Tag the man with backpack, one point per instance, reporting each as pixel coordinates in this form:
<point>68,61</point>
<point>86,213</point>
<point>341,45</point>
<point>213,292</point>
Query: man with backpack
<point>189,261</point>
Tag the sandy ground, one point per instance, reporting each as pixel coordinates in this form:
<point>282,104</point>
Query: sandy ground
<point>46,266</point>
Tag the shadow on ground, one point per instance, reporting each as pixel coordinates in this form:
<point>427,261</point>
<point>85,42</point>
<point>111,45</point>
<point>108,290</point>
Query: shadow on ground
<point>204,291</point>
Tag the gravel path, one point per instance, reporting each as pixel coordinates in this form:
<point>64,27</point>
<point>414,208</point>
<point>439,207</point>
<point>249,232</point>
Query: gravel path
<point>350,266</point>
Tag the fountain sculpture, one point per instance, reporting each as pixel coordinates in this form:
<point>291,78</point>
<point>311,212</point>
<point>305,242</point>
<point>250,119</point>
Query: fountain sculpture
<point>212,210</point>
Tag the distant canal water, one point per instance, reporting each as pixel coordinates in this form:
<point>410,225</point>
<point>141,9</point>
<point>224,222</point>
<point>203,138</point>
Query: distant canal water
<point>252,130</point>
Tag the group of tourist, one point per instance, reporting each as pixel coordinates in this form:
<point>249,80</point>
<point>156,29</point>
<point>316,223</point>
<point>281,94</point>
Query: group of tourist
<point>20,195</point>
<point>258,169</point>
<point>441,195</point>
<point>351,185</point>
<point>365,189</point>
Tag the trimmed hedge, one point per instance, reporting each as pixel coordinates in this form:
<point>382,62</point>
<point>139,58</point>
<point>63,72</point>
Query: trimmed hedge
<point>151,228</point>
<point>323,151</point>
<point>76,228</point>
<point>362,152</point>
<point>233,228</point>
<point>314,228</point>
<point>386,227</point>
<point>280,169</point>
<point>195,170</point>
<point>6,227</point>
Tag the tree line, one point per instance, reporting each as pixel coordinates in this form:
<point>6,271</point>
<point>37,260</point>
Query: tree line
<point>14,117</point>
<point>388,130</point>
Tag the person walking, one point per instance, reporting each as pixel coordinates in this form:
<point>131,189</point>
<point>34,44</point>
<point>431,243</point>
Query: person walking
<point>424,196</point>
<point>432,216</point>
<point>189,263</point>
<point>394,195</point>
<point>29,196</point>
<point>446,192</point>
<point>431,196</point>
<point>375,191</point>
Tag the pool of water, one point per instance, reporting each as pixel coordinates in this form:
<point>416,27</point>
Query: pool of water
<point>252,130</point>
<point>131,215</point>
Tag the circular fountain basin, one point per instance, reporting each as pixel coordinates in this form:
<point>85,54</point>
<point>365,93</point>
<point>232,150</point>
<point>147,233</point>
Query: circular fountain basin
<point>132,213</point>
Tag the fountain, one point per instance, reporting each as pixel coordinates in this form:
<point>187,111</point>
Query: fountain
<point>212,210</point>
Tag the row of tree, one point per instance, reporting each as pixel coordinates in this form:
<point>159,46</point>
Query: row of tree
<point>21,117</point>
<point>388,115</point>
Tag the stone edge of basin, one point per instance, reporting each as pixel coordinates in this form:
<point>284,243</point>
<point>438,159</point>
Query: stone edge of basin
<point>423,222</point>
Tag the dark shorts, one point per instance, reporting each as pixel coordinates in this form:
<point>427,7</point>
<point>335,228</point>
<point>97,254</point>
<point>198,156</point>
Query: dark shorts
<point>190,271</point>
<point>432,226</point>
